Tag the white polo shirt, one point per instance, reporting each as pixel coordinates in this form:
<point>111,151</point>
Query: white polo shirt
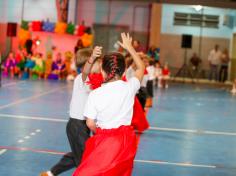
<point>79,98</point>
<point>112,104</point>
<point>144,80</point>
<point>130,73</point>
<point>214,57</point>
<point>151,72</point>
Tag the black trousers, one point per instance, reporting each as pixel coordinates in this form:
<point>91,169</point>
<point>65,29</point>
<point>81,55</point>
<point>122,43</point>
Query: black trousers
<point>223,73</point>
<point>150,88</point>
<point>77,133</point>
<point>142,96</point>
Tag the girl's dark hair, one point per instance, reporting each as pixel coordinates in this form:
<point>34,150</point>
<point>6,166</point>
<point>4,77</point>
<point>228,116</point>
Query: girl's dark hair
<point>114,65</point>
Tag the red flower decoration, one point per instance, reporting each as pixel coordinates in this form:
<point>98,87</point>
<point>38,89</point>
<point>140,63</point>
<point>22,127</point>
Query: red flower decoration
<point>124,78</point>
<point>95,80</point>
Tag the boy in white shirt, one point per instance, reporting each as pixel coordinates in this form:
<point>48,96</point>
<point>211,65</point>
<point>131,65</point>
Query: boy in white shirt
<point>158,73</point>
<point>76,129</point>
<point>151,77</point>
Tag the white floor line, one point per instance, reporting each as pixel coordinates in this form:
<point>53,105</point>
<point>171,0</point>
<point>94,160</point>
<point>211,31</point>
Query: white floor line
<point>150,128</point>
<point>12,83</point>
<point>176,164</point>
<point>173,129</point>
<point>193,131</point>
<point>2,151</point>
<point>30,98</point>
<point>33,118</point>
<point>136,160</point>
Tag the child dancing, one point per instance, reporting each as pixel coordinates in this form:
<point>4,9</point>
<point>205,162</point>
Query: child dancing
<point>109,110</point>
<point>76,129</point>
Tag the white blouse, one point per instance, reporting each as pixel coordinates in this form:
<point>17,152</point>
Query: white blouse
<point>111,105</point>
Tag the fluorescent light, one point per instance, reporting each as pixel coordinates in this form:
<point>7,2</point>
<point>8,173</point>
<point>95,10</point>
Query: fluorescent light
<point>198,7</point>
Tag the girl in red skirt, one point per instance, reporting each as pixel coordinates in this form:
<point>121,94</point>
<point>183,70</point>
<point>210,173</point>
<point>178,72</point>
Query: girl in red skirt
<point>109,110</point>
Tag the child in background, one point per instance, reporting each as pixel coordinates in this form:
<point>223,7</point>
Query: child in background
<point>29,65</point>
<point>73,72</point>
<point>22,61</point>
<point>10,65</point>
<point>130,71</point>
<point>48,65</point>
<point>151,77</point>
<point>142,93</point>
<point>158,74</point>
<point>76,129</point>
<point>70,66</point>
<point>165,76</point>
<point>58,67</point>
<point>39,65</point>
<point>233,91</point>
<point>68,61</point>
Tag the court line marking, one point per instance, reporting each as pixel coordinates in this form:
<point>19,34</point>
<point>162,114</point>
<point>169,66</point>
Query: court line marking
<point>33,118</point>
<point>194,131</point>
<point>2,151</point>
<point>13,83</point>
<point>32,150</point>
<point>150,128</point>
<point>175,163</point>
<point>30,98</point>
<point>180,164</point>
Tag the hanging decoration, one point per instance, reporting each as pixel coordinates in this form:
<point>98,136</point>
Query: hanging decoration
<point>23,36</point>
<point>70,28</point>
<point>60,28</point>
<point>24,25</point>
<point>48,26</point>
<point>36,26</point>
<point>87,40</point>
<point>85,33</point>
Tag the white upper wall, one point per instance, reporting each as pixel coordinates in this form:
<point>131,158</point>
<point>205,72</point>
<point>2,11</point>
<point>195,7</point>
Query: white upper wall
<point>122,13</point>
<point>11,10</point>
<point>169,27</point>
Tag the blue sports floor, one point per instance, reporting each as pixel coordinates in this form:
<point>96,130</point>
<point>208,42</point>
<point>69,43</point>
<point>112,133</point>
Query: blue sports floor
<point>193,130</point>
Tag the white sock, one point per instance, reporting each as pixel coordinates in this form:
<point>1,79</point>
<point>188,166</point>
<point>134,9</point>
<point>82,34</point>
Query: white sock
<point>49,173</point>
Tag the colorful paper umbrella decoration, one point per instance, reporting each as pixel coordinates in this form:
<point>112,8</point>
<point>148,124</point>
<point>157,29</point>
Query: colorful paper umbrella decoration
<point>24,25</point>
<point>48,26</point>
<point>87,40</point>
<point>60,28</point>
<point>80,30</point>
<point>70,28</point>
<point>23,35</point>
<point>36,26</point>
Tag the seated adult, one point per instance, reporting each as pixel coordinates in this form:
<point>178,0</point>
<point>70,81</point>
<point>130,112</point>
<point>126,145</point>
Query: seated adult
<point>195,63</point>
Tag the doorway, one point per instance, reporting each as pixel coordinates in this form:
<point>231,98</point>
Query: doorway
<point>233,59</point>
<point>107,35</point>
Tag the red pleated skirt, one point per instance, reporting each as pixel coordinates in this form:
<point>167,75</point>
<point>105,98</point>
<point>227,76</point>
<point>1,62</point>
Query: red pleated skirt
<point>139,120</point>
<point>110,152</point>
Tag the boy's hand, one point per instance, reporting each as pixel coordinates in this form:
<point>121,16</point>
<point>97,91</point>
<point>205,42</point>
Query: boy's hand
<point>126,41</point>
<point>97,52</point>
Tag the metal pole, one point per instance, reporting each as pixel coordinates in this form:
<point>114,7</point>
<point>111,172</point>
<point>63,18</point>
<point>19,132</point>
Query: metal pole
<point>76,12</point>
<point>200,36</point>
<point>108,23</point>
<point>149,25</point>
<point>22,10</point>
